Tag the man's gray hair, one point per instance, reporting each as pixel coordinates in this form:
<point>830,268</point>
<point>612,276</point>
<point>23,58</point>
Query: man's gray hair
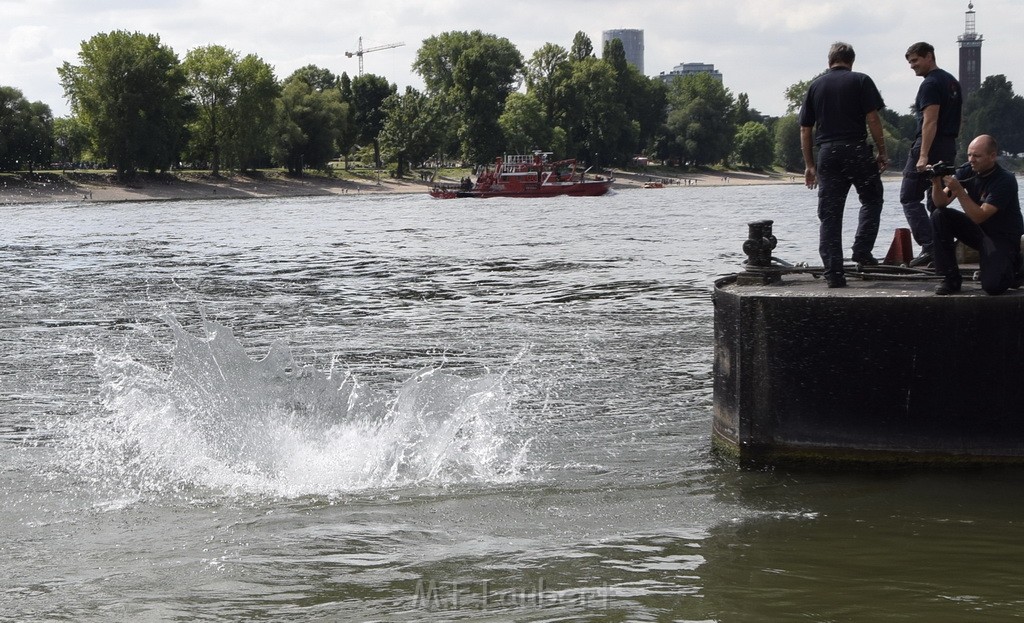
<point>841,53</point>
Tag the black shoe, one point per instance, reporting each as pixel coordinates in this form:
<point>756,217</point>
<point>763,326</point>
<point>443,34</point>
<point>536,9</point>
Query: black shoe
<point>836,281</point>
<point>947,287</point>
<point>923,259</point>
<point>865,259</point>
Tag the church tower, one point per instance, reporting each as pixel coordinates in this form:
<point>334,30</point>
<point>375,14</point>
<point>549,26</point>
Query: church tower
<point>970,55</point>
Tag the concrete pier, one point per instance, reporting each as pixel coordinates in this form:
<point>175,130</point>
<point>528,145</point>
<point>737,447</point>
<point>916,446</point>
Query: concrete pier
<point>880,371</point>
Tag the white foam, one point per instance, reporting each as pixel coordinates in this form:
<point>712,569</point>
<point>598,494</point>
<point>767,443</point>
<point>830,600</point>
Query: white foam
<point>222,421</point>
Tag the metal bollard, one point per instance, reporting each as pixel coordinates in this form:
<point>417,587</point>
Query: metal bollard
<point>759,246</point>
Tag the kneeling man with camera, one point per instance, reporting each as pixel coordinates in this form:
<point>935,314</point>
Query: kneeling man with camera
<point>989,223</point>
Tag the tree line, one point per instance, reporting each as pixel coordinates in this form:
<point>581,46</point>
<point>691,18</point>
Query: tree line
<point>136,106</point>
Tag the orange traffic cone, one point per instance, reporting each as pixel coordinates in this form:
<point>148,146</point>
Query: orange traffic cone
<point>900,251</point>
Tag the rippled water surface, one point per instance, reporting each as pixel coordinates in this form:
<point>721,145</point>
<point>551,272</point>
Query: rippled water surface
<point>394,408</point>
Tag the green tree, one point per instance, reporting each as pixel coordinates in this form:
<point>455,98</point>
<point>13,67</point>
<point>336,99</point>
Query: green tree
<point>311,119</point>
<point>318,78</point>
<point>559,145</point>
<point>601,110</point>
<point>582,47</point>
<point>650,103</point>
<point>754,145</point>
<point>903,126</point>
<point>745,113</point>
<point>26,131</point>
<point>625,139</point>
<point>234,100</point>
<point>471,74</point>
<point>546,70</point>
<point>994,109</point>
<point>71,139</point>
<point>40,148</point>
<point>614,54</point>
<point>348,138</point>
<point>796,92</point>
<point>254,112</point>
<point>788,153</point>
<point>129,91</point>
<point>212,85</point>
<point>409,131</point>
<point>643,100</point>
<point>524,124</point>
<point>593,117</point>
<point>899,132</point>
<point>701,118</point>
<point>368,93</point>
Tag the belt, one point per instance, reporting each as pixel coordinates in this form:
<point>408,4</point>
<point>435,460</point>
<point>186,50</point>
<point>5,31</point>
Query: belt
<point>842,142</point>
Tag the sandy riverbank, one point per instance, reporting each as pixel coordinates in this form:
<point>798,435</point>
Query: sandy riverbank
<point>74,187</point>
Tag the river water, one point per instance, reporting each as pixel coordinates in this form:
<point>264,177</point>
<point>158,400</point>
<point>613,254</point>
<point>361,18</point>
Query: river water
<point>390,408</point>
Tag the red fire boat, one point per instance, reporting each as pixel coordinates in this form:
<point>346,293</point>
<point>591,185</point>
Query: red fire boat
<point>527,176</point>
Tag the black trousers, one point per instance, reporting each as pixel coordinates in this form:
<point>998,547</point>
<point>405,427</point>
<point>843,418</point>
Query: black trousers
<point>915,192</point>
<point>840,166</point>
<point>999,258</point>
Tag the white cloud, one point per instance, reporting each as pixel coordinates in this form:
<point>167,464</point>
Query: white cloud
<point>787,17</point>
<point>761,46</point>
<point>27,44</point>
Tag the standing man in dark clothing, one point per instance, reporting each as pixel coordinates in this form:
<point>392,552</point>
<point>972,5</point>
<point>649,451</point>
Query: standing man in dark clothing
<point>938,106</point>
<point>839,103</point>
<point>990,221</point>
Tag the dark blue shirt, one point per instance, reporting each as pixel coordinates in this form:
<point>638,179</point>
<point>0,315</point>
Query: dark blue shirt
<point>999,188</point>
<point>940,88</point>
<point>837,103</point>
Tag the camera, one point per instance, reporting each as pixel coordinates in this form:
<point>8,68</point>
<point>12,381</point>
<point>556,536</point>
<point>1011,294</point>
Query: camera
<point>940,169</point>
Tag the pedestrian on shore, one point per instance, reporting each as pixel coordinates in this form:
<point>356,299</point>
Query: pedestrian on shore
<point>840,107</point>
<point>938,108</point>
<point>990,221</point>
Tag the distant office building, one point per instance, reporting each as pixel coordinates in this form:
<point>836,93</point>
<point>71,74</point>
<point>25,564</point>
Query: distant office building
<point>970,55</point>
<point>632,42</point>
<point>688,69</point>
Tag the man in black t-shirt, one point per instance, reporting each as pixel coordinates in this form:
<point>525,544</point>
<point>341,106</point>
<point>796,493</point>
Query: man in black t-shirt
<point>840,103</point>
<point>937,107</point>
<point>990,221</point>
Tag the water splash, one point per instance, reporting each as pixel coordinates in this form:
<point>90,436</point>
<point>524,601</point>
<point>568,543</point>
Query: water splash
<point>223,421</point>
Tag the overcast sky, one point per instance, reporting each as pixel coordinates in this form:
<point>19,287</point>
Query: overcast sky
<point>760,46</point>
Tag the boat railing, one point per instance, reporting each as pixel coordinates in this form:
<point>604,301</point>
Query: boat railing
<point>519,159</point>
<point>539,157</point>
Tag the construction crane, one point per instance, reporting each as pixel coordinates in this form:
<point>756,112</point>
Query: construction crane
<point>360,51</point>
